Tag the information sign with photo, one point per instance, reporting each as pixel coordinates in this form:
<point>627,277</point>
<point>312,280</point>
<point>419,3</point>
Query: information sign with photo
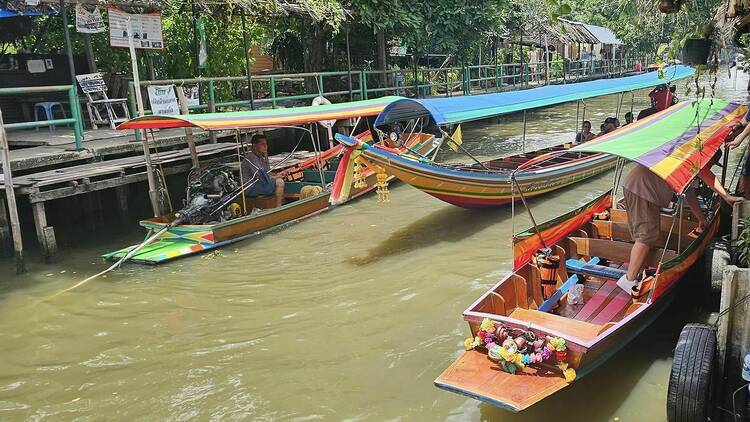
<point>147,31</point>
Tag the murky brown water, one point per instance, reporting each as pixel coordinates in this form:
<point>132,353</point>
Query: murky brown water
<point>346,316</point>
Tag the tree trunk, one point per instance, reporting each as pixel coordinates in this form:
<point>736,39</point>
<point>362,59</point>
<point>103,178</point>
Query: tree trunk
<point>382,64</point>
<point>314,50</point>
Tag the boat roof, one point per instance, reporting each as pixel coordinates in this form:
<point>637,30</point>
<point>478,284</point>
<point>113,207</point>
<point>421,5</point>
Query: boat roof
<point>674,143</point>
<point>475,107</point>
<point>262,118</point>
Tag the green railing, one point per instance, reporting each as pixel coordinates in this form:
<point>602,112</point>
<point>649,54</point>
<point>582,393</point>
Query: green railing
<point>271,90</point>
<point>75,109</point>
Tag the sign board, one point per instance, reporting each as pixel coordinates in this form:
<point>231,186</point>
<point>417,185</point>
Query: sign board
<point>191,94</point>
<point>89,22</point>
<point>36,66</point>
<point>147,33</point>
<point>163,99</point>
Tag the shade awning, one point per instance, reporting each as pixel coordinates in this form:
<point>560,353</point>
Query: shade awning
<point>674,143</point>
<point>263,118</point>
<point>475,107</point>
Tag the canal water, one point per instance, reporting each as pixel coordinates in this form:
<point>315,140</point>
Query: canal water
<point>350,315</point>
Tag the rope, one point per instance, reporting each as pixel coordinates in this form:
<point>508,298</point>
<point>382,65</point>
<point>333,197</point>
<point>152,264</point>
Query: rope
<point>163,188</point>
<point>239,159</point>
<point>127,256</point>
<point>533,220</point>
<point>663,253</point>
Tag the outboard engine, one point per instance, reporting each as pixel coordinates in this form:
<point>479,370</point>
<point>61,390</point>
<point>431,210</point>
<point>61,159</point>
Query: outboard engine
<point>207,196</point>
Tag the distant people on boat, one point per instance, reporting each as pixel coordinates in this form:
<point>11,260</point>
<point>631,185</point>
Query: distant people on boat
<point>628,118</point>
<point>610,124</point>
<point>645,195</point>
<point>255,170</point>
<point>638,66</point>
<point>585,134</point>
<point>661,97</point>
<point>744,130</point>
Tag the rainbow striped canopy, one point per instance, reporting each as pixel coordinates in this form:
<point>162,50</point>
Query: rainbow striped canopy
<point>674,143</point>
<point>262,118</point>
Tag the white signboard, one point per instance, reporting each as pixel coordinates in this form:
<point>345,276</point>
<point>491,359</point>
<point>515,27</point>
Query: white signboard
<point>36,66</point>
<point>191,94</point>
<point>147,32</point>
<point>163,100</point>
<point>89,22</point>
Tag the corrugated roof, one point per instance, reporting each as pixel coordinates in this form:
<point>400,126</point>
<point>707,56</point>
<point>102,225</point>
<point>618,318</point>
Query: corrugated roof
<point>604,35</point>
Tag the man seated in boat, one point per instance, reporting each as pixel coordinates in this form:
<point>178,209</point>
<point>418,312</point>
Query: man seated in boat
<point>645,195</point>
<point>585,134</point>
<point>255,172</point>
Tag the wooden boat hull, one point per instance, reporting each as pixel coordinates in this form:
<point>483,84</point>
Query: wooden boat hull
<point>186,240</point>
<point>513,303</point>
<point>482,189</point>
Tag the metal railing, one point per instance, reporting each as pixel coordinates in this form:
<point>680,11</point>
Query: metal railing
<point>272,90</point>
<point>75,109</point>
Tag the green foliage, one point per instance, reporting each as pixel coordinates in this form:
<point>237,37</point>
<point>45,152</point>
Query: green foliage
<point>742,243</point>
<point>640,25</point>
<point>177,60</point>
<point>449,27</point>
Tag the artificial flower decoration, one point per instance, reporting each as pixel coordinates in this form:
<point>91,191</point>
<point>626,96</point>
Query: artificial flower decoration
<point>514,348</point>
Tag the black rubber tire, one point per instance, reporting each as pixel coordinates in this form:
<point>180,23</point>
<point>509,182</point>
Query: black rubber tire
<point>717,257</point>
<point>690,382</point>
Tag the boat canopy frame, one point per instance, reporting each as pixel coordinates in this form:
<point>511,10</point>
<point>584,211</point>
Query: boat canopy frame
<point>679,142</point>
<point>454,110</point>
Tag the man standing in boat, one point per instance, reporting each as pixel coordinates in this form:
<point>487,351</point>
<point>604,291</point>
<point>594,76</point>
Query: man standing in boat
<point>745,180</point>
<point>645,195</point>
<point>255,169</point>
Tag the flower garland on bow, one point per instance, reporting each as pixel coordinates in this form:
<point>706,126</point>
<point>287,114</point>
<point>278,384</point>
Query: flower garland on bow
<point>514,348</point>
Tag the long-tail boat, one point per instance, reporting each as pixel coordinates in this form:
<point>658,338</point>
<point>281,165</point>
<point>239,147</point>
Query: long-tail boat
<point>487,183</point>
<point>531,335</point>
<point>329,171</point>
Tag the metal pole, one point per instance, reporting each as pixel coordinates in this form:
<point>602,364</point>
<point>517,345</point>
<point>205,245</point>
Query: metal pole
<point>78,125</point>
<point>247,62</point>
<point>15,225</point>
<point>196,46</point>
<point>349,64</point>
<point>152,191</point>
<point>188,130</point>
<point>523,142</point>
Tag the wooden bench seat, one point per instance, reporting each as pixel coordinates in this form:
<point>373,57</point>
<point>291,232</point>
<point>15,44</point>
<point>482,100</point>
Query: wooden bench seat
<point>572,327</point>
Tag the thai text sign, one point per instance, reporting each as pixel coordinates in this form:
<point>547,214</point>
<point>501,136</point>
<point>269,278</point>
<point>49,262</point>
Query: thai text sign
<point>163,100</point>
<point>89,22</point>
<point>147,33</point>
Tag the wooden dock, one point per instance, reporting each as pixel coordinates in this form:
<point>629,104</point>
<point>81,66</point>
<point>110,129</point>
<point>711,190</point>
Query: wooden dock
<point>46,167</point>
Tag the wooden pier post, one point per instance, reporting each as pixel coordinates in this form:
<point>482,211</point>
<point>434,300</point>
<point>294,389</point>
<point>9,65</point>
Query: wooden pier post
<point>15,225</point>
<point>121,192</point>
<point>6,243</point>
<point>45,234</point>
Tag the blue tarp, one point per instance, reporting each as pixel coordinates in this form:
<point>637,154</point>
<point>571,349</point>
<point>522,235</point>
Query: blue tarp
<point>475,107</point>
<point>5,13</point>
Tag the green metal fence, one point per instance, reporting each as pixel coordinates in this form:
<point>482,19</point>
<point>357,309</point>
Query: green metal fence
<point>75,109</point>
